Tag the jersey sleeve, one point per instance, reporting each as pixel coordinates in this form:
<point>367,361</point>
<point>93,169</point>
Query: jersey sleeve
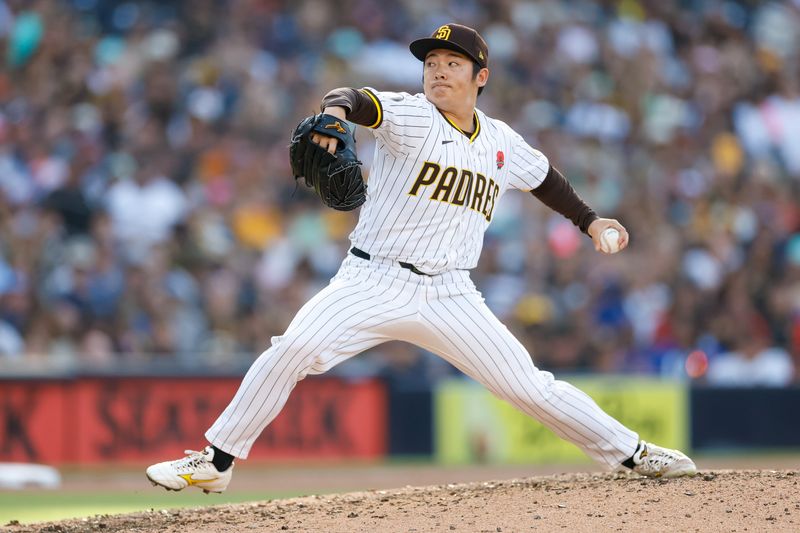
<point>528,166</point>
<point>403,121</point>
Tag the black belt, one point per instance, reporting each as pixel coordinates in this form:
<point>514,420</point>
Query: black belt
<point>364,255</point>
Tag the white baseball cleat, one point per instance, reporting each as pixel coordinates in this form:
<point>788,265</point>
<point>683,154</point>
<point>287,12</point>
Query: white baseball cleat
<point>654,461</point>
<point>196,469</point>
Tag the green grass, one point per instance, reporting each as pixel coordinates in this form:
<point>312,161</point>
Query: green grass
<point>44,506</point>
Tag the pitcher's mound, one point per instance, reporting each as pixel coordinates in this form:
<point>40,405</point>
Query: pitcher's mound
<point>725,500</point>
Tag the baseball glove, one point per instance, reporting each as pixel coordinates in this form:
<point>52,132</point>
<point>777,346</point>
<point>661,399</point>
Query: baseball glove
<point>335,177</point>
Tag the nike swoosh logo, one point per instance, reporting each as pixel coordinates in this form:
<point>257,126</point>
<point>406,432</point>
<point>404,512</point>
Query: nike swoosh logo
<point>445,142</point>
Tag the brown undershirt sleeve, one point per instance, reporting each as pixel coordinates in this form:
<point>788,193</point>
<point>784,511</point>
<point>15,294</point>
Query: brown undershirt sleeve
<point>360,107</point>
<point>556,193</point>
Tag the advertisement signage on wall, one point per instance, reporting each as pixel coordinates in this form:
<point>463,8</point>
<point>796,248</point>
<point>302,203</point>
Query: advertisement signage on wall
<point>34,421</point>
<point>90,420</point>
<point>474,426</point>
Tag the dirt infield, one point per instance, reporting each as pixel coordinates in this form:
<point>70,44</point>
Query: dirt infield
<point>723,500</point>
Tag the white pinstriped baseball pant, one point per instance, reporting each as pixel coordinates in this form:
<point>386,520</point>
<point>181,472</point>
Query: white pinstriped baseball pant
<point>371,302</point>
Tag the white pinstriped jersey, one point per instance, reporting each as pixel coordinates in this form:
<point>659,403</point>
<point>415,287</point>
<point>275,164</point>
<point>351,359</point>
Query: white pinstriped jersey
<point>431,194</point>
<point>432,190</point>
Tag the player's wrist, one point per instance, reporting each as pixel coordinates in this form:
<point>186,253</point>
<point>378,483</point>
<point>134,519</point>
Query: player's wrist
<point>594,227</point>
<point>336,111</point>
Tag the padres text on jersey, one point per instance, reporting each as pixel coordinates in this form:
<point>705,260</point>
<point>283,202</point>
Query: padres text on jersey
<point>433,189</point>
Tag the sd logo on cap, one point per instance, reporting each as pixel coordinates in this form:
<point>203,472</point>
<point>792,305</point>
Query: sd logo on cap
<point>462,39</point>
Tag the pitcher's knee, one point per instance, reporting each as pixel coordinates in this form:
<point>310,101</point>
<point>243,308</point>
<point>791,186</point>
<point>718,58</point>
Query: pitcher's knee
<point>286,360</point>
<point>535,389</point>
<point>301,354</point>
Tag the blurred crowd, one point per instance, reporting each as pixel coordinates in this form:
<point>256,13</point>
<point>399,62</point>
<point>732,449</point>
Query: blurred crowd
<point>148,210</point>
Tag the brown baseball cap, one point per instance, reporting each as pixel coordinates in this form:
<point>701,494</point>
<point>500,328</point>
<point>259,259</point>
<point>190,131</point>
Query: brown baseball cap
<point>462,39</point>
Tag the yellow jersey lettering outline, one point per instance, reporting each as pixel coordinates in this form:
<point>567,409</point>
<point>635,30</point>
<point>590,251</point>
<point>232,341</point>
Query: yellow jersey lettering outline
<point>467,189</point>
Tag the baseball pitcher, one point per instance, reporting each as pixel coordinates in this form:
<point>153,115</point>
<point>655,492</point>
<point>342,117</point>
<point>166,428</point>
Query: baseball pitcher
<point>440,170</point>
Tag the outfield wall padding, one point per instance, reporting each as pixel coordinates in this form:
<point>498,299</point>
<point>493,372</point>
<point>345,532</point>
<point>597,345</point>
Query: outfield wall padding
<point>89,420</point>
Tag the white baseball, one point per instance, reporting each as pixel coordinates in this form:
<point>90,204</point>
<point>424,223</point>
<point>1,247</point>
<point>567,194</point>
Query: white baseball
<point>609,241</point>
